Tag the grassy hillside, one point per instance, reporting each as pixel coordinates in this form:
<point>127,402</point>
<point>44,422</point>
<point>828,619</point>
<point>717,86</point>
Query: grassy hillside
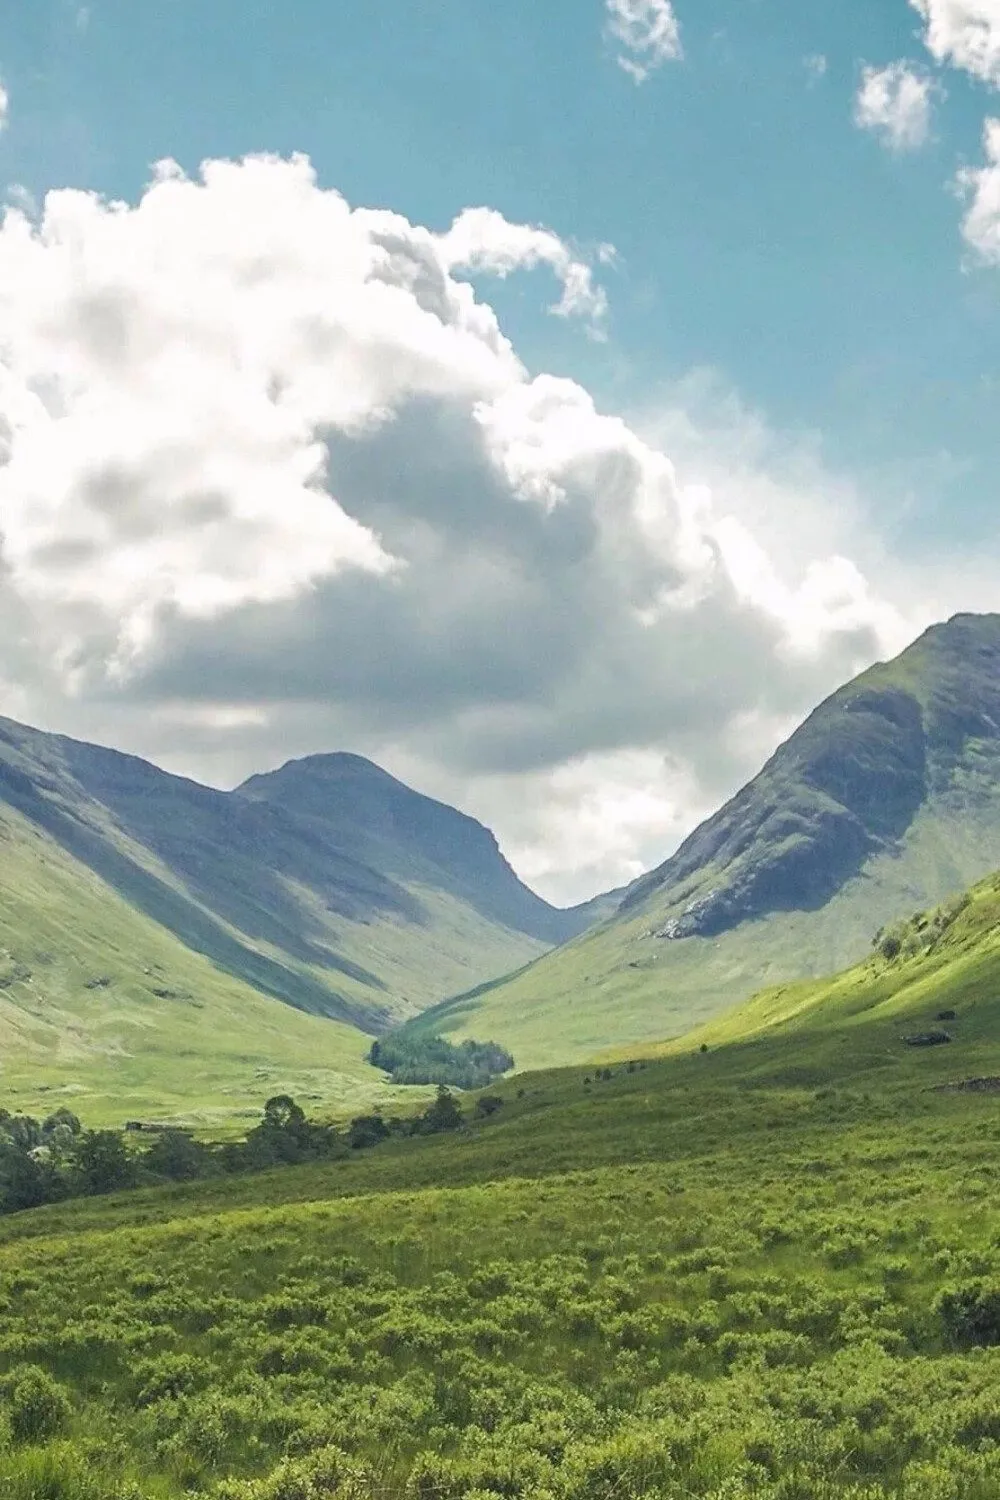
<point>936,970</point>
<point>769,1270</point>
<point>282,898</point>
<point>165,948</point>
<point>105,1010</point>
<point>886,800</point>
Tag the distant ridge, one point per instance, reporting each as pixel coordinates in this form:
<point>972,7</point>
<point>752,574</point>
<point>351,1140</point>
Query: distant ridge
<point>409,837</point>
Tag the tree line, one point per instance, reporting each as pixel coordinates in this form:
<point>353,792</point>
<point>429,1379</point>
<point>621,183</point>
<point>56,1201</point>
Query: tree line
<point>47,1161</point>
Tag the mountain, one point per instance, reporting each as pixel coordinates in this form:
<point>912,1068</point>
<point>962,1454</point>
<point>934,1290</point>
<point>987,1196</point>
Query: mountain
<point>106,1010</point>
<point>328,886</point>
<point>886,799</point>
<point>411,838</point>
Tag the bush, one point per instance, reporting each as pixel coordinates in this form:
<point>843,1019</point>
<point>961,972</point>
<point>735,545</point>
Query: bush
<point>37,1406</point>
<point>971,1313</point>
<point>444,1113</point>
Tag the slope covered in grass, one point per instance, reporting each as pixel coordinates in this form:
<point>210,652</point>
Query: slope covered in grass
<point>715,1276</point>
<point>937,970</point>
<point>887,799</point>
<point>104,1010</point>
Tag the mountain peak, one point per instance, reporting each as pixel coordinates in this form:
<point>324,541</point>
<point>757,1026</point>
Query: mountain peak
<point>410,835</point>
<point>885,801</point>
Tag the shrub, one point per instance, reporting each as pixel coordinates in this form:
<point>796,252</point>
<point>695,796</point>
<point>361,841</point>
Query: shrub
<point>971,1312</point>
<point>37,1406</point>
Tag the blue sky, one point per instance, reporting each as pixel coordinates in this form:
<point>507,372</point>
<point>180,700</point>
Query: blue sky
<point>761,235</point>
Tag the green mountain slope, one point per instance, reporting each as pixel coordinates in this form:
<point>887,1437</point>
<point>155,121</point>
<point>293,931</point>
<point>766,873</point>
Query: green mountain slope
<point>885,800</point>
<point>103,1009</point>
<point>167,949</point>
<point>329,886</point>
<point>938,972</point>
<point>410,838</point>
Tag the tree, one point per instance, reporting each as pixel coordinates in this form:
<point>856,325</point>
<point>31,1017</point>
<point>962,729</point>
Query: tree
<point>444,1114</point>
<point>285,1135</point>
<point>62,1119</point>
<point>176,1155</point>
<point>282,1113</point>
<point>366,1130</point>
<point>24,1181</point>
<point>101,1162</point>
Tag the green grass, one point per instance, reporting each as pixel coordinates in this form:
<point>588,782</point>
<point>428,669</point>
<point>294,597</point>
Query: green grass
<point>746,1272</point>
<point>948,960</point>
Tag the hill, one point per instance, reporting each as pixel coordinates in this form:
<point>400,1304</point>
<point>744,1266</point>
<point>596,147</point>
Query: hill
<point>885,800</point>
<point>767,1269</point>
<point>129,898</point>
<point>933,977</point>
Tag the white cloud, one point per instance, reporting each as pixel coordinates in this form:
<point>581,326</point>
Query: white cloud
<point>981,225</point>
<point>816,65</point>
<point>273,480</point>
<point>648,33</point>
<point>895,103</point>
<point>4,106</point>
<point>964,33</point>
<point>483,240</point>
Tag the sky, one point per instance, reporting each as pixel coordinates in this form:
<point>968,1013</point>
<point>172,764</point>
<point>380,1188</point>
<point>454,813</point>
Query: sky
<point>552,403</point>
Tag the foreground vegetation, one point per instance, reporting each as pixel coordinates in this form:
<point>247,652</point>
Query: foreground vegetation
<point>766,1267</point>
<point>746,1272</point>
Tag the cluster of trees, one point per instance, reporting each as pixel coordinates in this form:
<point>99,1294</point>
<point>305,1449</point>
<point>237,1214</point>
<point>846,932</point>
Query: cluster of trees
<point>45,1161</point>
<point>409,1056</point>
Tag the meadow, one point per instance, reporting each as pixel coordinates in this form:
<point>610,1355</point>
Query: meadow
<point>717,1275</point>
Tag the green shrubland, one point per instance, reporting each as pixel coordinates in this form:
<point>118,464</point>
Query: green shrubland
<point>691,1277</point>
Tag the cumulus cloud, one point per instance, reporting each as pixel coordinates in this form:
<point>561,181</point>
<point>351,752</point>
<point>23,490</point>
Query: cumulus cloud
<point>4,106</point>
<point>965,34</point>
<point>981,225</point>
<point>273,480</point>
<point>895,103</point>
<point>648,33</point>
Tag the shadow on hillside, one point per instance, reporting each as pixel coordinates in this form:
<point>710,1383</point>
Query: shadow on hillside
<point>179,915</point>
